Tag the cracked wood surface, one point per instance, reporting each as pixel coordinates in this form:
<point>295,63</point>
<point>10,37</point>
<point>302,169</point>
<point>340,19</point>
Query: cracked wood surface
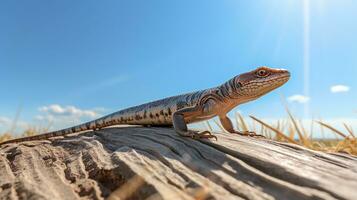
<point>155,163</point>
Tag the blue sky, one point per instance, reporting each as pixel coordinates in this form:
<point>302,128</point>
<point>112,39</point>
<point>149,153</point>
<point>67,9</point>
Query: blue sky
<point>77,60</point>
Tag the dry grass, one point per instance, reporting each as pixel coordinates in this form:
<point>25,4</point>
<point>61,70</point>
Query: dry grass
<point>292,130</point>
<point>29,131</point>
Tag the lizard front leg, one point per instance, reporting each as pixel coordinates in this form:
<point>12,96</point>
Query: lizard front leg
<point>228,126</point>
<point>180,124</point>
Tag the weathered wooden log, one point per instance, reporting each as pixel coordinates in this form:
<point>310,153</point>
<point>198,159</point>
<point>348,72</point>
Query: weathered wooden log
<point>155,163</point>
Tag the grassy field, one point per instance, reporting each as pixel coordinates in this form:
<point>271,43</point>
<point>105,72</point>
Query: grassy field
<point>288,130</point>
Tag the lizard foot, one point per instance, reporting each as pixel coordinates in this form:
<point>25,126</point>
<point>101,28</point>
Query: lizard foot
<point>248,133</point>
<point>202,134</point>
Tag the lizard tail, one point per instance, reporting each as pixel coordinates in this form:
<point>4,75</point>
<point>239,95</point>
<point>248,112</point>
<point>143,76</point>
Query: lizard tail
<point>35,137</point>
<point>92,125</point>
<point>127,116</point>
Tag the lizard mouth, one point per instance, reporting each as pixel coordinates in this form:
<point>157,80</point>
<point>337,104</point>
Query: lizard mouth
<point>259,88</point>
<point>283,79</point>
<point>277,80</point>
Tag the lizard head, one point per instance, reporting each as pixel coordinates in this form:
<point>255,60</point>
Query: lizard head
<point>260,81</point>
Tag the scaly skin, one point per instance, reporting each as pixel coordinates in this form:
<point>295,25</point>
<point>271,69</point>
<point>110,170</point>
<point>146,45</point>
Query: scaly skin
<point>188,108</point>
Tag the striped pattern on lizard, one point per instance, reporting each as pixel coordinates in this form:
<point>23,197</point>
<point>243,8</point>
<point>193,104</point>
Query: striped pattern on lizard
<point>178,111</point>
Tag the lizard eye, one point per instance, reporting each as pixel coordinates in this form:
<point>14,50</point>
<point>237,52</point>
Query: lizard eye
<point>262,73</point>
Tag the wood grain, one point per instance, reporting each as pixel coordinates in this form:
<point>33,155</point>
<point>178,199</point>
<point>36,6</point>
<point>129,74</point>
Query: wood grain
<point>155,163</point>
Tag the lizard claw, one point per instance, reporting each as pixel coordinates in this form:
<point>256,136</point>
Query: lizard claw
<point>203,134</point>
<point>248,133</point>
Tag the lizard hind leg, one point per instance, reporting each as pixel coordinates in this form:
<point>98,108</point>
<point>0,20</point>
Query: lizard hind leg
<point>203,134</point>
<point>180,125</point>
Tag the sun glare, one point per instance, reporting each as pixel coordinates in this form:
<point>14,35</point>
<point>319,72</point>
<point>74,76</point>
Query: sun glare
<point>306,54</point>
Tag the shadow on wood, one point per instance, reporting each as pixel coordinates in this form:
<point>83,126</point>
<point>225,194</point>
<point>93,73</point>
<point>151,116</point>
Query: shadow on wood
<point>155,163</point>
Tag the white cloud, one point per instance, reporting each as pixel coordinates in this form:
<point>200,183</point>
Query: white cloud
<point>65,116</point>
<point>52,116</point>
<point>57,110</point>
<point>298,98</point>
<point>4,121</point>
<point>339,88</point>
